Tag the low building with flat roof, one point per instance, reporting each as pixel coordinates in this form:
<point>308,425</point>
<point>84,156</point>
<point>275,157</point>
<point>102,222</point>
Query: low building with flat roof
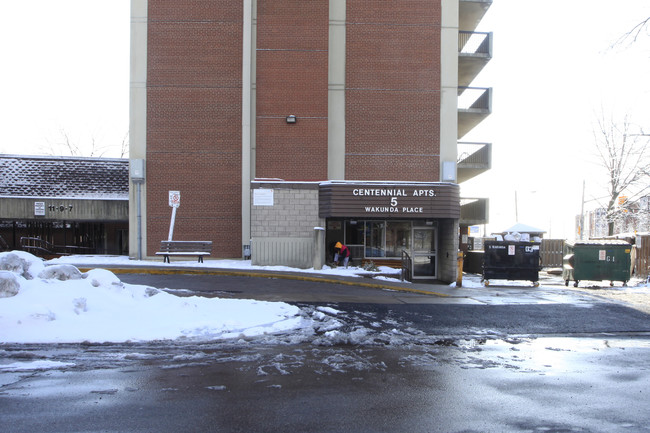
<point>54,205</point>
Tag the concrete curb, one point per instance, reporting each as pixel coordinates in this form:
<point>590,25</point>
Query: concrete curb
<point>267,274</point>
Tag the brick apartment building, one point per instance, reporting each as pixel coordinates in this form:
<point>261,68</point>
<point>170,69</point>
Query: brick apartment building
<point>288,125</point>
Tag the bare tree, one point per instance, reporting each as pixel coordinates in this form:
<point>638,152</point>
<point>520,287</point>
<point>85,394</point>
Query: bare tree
<point>124,149</point>
<point>66,145</point>
<point>622,150</point>
<point>96,151</point>
<point>633,35</point>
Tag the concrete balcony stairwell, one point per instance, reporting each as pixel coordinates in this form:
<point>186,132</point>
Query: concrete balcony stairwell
<point>474,105</point>
<point>474,211</point>
<point>474,52</point>
<point>473,159</point>
<point>471,12</point>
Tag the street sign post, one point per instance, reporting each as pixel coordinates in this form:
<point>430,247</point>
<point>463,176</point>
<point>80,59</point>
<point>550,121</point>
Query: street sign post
<point>174,202</point>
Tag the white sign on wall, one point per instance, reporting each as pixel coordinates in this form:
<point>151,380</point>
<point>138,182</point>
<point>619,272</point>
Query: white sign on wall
<point>39,208</point>
<point>262,197</point>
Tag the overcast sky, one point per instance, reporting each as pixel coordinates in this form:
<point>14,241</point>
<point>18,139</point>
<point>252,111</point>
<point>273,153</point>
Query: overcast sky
<point>66,74</point>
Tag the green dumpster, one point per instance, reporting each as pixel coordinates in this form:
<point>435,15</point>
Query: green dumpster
<point>597,260</point>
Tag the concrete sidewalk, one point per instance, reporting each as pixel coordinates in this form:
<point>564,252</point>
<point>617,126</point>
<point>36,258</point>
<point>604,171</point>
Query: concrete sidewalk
<point>550,291</point>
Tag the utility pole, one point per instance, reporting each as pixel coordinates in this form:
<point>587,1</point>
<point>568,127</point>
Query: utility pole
<point>516,208</point>
<point>582,212</point>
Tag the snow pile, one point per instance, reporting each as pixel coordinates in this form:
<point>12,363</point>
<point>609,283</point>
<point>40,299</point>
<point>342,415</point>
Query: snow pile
<point>58,303</point>
<point>22,264</point>
<point>9,284</point>
<point>36,365</point>
<point>473,282</point>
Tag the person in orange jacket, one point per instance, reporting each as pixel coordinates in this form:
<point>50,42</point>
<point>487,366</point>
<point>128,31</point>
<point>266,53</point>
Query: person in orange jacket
<point>341,252</point>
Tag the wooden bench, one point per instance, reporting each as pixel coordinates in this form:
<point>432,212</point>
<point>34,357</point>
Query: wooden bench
<point>391,263</point>
<point>184,248</point>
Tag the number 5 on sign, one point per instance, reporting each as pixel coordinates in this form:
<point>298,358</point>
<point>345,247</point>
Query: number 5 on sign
<point>174,202</point>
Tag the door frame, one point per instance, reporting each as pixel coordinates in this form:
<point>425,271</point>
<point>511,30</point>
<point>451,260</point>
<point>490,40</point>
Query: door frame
<point>432,253</point>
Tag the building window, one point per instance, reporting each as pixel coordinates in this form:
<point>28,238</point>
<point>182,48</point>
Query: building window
<point>375,239</point>
<point>398,238</point>
<point>354,232</point>
<point>387,238</point>
<point>369,239</point>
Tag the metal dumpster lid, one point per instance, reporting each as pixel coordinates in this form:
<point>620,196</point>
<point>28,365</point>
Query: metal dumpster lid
<point>511,243</point>
<point>600,242</point>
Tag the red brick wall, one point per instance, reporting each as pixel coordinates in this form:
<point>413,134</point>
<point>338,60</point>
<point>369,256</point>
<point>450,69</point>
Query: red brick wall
<point>194,121</point>
<point>292,68</point>
<point>194,103</point>
<point>393,90</point>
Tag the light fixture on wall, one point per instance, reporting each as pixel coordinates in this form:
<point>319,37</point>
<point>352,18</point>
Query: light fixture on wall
<point>291,119</point>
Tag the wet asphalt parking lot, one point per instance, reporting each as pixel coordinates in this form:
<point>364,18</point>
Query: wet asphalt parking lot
<point>508,359</point>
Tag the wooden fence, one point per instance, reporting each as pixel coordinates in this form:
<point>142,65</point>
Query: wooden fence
<point>551,252</point>
<point>642,265</point>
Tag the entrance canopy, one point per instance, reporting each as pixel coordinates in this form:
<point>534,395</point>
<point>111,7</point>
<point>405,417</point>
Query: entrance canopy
<point>389,200</point>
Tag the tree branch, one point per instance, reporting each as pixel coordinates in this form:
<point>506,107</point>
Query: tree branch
<point>633,35</point>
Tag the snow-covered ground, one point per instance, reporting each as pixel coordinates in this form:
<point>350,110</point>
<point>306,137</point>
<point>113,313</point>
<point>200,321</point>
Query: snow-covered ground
<point>58,303</point>
<point>53,302</point>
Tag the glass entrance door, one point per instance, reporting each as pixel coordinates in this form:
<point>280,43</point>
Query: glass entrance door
<point>424,252</point>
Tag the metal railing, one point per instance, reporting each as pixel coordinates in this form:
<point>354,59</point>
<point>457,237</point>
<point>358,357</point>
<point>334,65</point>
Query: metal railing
<point>474,98</point>
<point>473,153</point>
<point>407,267</point>
<point>40,247</point>
<point>357,252</point>
<point>475,43</point>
